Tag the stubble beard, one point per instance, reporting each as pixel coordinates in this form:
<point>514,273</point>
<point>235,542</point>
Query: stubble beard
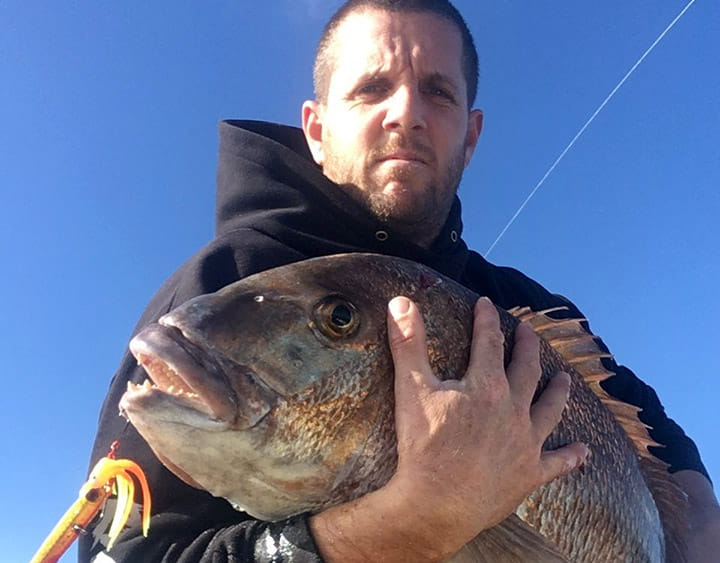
<point>417,217</point>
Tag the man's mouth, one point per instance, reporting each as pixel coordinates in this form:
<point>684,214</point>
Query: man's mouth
<point>403,160</point>
<point>404,157</point>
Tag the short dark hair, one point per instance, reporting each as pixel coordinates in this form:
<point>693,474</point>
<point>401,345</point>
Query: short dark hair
<point>323,59</point>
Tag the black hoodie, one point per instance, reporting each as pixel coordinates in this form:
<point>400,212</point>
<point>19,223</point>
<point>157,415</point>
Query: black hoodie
<point>275,206</point>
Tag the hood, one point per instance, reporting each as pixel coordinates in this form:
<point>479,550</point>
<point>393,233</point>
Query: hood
<point>268,181</point>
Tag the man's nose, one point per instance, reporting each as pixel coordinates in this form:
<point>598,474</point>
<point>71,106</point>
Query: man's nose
<point>405,110</point>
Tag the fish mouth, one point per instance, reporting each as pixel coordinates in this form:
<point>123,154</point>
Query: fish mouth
<point>193,383</point>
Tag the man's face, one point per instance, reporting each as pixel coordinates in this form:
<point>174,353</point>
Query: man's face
<point>395,127</point>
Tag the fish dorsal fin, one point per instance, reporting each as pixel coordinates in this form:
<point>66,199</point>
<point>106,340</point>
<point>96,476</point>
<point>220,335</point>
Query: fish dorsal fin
<point>580,349</point>
<point>511,541</point>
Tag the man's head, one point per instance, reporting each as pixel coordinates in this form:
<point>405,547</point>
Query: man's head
<point>325,62</point>
<point>392,122</point>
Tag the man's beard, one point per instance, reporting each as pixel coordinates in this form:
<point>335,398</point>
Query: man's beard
<point>419,218</point>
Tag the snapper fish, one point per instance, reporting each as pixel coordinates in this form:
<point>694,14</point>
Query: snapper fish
<point>276,393</point>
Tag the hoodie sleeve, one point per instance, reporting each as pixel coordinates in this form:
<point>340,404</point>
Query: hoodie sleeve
<point>194,539</point>
<point>187,524</point>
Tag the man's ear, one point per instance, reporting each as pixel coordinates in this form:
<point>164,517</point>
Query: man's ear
<point>313,129</point>
<point>475,123</point>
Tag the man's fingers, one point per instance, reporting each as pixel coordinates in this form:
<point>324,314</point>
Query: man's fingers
<point>523,372</point>
<point>545,413</point>
<point>486,351</point>
<point>406,335</point>
<point>563,460</point>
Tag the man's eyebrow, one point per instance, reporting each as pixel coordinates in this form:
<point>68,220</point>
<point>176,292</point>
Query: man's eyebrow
<point>438,77</point>
<point>369,76</point>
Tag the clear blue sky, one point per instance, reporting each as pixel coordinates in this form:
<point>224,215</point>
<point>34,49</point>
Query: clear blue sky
<point>108,114</point>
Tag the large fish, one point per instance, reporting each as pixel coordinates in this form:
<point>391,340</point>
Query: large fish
<point>276,394</point>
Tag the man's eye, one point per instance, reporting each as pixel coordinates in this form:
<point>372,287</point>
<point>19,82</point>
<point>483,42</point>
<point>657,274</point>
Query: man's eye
<point>371,89</point>
<point>441,93</point>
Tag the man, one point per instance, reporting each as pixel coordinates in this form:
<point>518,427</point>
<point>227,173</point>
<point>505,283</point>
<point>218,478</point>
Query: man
<point>384,148</point>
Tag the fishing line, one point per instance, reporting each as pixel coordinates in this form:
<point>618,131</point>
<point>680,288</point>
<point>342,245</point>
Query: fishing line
<point>587,123</point>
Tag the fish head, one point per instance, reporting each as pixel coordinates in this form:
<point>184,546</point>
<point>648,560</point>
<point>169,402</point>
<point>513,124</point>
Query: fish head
<point>276,391</point>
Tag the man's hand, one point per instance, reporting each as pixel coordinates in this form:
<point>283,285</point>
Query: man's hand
<point>469,451</point>
<point>473,448</point>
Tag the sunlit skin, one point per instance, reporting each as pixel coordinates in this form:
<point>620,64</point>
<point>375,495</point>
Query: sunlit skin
<point>395,128</point>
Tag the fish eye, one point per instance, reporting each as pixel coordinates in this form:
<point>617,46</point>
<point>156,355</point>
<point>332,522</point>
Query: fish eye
<point>341,315</point>
<point>336,317</point>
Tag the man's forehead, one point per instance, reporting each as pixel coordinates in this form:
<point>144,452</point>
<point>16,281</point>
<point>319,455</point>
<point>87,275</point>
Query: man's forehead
<point>377,38</point>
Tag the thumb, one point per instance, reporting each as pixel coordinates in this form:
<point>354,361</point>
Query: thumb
<point>406,336</point>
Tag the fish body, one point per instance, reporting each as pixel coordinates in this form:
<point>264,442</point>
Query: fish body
<point>276,393</point>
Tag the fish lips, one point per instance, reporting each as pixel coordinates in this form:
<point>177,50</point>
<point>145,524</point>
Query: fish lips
<point>193,385</point>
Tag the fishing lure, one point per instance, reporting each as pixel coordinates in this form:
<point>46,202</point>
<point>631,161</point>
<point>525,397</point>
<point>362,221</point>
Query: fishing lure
<point>109,476</point>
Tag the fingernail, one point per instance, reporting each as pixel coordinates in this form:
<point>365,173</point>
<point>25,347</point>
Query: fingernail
<point>579,461</point>
<point>573,465</point>
<point>485,304</point>
<point>583,457</point>
<point>566,376</point>
<point>526,326</point>
<point>399,306</point>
